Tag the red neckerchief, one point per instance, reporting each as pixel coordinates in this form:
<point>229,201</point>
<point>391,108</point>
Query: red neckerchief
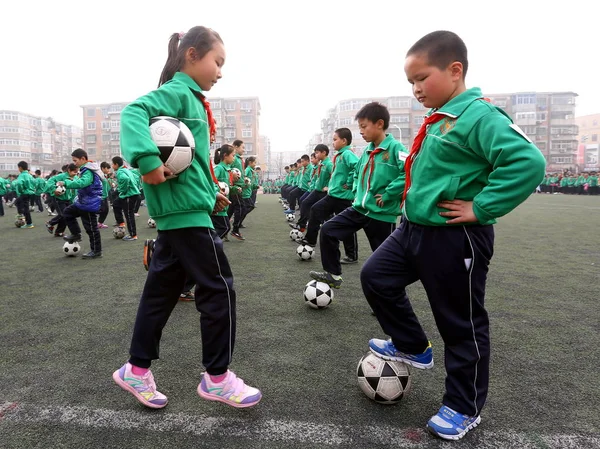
<point>416,147</point>
<point>371,163</point>
<point>212,125</point>
<point>334,158</point>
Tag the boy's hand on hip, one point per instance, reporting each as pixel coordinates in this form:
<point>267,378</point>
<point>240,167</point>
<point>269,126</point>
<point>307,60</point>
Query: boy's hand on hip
<point>157,176</point>
<point>379,199</point>
<point>459,211</point>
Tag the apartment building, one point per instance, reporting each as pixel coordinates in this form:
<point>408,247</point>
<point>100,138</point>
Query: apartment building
<point>547,117</point>
<point>264,153</point>
<point>43,142</point>
<point>237,118</point>
<point>588,154</point>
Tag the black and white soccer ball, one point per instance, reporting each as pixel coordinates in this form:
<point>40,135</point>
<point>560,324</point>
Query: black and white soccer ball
<point>247,181</point>
<point>224,188</point>
<point>175,142</point>
<point>381,380</point>
<point>318,295</point>
<point>296,234</point>
<point>118,232</point>
<point>60,190</point>
<point>290,217</point>
<point>19,221</point>
<point>71,248</point>
<point>237,172</point>
<point>305,252</point>
<point>151,223</point>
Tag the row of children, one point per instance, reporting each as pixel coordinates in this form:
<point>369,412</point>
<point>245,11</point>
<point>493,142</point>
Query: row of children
<point>570,183</point>
<point>23,191</point>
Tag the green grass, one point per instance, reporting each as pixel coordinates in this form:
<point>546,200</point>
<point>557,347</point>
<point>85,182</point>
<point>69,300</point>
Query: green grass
<point>65,325</point>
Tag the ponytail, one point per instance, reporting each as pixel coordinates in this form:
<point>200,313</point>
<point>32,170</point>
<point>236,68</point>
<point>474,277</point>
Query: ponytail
<point>218,157</point>
<point>200,38</point>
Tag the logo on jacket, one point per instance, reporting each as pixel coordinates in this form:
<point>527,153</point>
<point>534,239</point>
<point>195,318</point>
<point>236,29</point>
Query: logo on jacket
<point>385,157</point>
<point>447,125</point>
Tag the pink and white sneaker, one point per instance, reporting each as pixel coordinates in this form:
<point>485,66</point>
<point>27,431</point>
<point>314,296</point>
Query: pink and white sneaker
<point>143,388</point>
<point>232,391</point>
<point>102,226</point>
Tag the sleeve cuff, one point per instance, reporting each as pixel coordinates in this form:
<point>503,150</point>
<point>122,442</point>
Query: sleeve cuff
<point>148,163</point>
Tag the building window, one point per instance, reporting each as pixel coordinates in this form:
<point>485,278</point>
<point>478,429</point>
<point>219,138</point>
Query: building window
<point>246,133</point>
<point>246,119</point>
<point>115,124</point>
<point>114,136</point>
<point>399,103</point>
<point>230,105</point>
<point>90,138</point>
<point>91,112</point>
<point>105,125</point>
<point>399,119</point>
<point>216,104</point>
<point>524,99</point>
<point>249,147</point>
<point>230,133</point>
<point>246,106</point>
<point>418,120</point>
<point>105,137</point>
<point>563,100</point>
<point>115,108</point>
<point>594,137</point>
<point>91,126</point>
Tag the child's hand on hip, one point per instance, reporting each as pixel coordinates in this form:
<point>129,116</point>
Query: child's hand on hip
<point>459,211</point>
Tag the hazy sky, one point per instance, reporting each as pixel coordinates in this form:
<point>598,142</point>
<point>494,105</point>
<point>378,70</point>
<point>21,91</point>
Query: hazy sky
<point>300,58</point>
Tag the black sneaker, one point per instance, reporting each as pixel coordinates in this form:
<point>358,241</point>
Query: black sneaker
<point>238,236</point>
<point>91,255</point>
<point>242,226</point>
<point>346,260</point>
<point>225,238</point>
<point>72,238</point>
<point>306,242</point>
<point>324,276</point>
<point>49,228</point>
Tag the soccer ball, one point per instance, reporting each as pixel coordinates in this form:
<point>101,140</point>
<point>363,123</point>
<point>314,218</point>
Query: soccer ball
<point>296,234</point>
<point>20,221</point>
<point>60,190</point>
<point>318,295</point>
<point>118,232</point>
<point>71,248</point>
<point>247,181</point>
<point>305,252</point>
<point>151,223</point>
<point>237,172</point>
<point>175,142</point>
<point>224,188</point>
<point>383,381</point>
<point>290,217</point>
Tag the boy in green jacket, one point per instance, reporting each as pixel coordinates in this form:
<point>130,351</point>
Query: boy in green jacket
<point>61,202</point>
<point>339,194</point>
<point>129,193</point>
<point>236,210</point>
<point>4,183</point>
<point>469,164</point>
<point>377,184</point>
<point>320,178</point>
<point>24,187</point>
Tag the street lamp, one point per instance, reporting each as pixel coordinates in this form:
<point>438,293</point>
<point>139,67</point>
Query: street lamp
<point>399,131</point>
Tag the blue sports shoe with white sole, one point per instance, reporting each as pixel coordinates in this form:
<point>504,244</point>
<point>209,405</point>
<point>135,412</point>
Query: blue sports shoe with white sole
<point>451,425</point>
<point>386,350</point>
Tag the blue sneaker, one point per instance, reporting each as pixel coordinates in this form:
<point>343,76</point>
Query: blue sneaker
<point>451,425</point>
<point>386,350</point>
<point>289,211</point>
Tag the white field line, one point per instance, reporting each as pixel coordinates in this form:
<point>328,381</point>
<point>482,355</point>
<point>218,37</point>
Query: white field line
<point>272,430</point>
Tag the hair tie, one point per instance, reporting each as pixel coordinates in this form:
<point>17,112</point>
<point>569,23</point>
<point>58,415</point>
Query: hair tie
<point>181,35</point>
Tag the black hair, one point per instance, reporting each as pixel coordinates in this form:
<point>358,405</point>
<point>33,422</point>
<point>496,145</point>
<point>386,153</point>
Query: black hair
<point>238,143</point>
<point>220,153</point>
<point>38,172</point>
<point>104,165</point>
<point>298,160</point>
<point>250,159</point>
<point>23,164</point>
<point>442,48</point>
<point>374,112</point>
<point>287,166</point>
<point>257,168</point>
<point>312,155</point>
<point>322,148</point>
<point>200,38</point>
<point>118,160</point>
<point>72,167</point>
<point>344,133</point>
<point>79,153</point>
<point>305,157</point>
<point>64,167</point>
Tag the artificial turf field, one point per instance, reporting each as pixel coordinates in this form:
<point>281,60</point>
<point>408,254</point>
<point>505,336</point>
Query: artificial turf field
<point>65,326</point>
